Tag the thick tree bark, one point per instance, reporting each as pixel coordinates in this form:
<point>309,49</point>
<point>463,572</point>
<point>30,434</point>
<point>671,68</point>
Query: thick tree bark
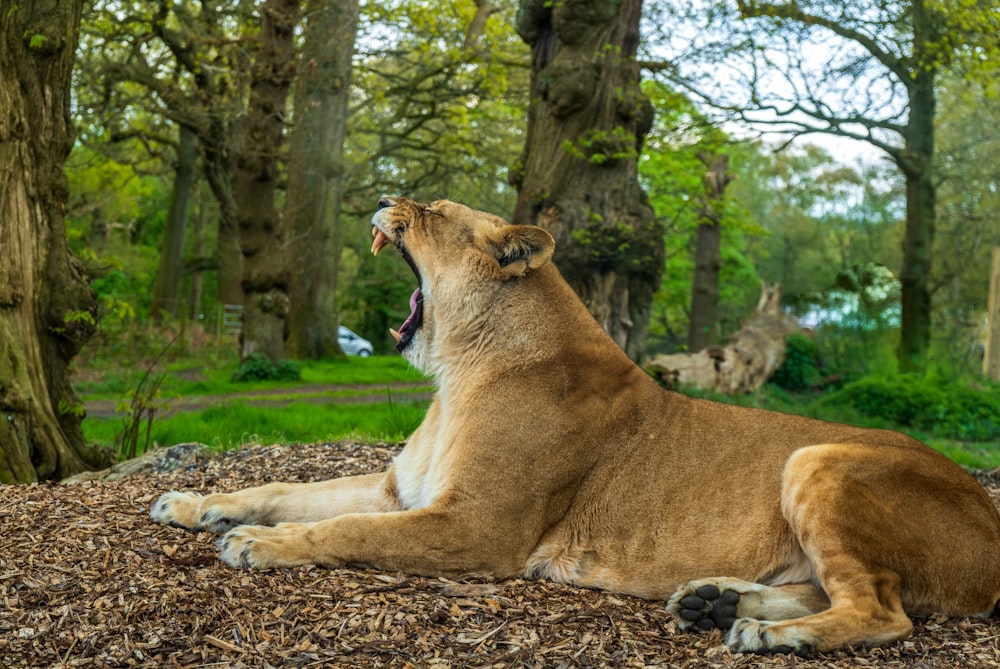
<point>168,277</point>
<point>265,275</point>
<point>579,176</point>
<point>47,308</point>
<point>703,329</point>
<point>316,176</point>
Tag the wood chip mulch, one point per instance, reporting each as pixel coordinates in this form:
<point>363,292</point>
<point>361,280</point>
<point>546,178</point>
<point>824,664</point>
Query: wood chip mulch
<point>86,580</point>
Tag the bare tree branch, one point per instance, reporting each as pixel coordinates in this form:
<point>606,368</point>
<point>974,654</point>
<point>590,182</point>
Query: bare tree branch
<point>791,10</point>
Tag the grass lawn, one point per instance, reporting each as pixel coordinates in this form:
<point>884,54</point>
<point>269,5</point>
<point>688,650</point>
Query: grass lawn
<point>236,421</point>
<point>210,376</point>
<point>233,425</point>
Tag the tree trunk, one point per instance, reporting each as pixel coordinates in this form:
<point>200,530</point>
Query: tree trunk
<point>198,232</point>
<point>265,276</point>
<point>703,329</point>
<point>316,176</point>
<point>47,308</point>
<point>916,162</point>
<point>219,174</point>
<point>168,277</point>
<point>578,176</point>
<point>991,354</point>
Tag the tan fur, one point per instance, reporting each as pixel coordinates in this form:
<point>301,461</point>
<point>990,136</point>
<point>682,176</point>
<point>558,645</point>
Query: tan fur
<point>547,452</point>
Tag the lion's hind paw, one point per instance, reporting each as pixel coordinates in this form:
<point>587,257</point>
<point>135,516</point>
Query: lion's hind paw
<point>704,607</point>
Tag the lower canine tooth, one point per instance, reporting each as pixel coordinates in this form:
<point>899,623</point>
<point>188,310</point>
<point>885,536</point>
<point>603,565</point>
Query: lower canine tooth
<point>395,335</point>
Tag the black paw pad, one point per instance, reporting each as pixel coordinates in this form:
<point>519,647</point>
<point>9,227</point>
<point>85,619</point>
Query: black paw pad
<point>802,651</point>
<point>710,609</point>
<point>780,650</point>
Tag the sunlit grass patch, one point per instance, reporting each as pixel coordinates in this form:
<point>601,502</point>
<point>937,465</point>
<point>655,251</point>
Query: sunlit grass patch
<point>233,425</point>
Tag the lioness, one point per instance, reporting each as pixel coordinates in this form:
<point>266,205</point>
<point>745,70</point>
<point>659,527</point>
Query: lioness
<point>546,452</point>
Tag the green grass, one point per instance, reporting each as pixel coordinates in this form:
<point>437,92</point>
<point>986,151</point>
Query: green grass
<point>194,377</point>
<point>236,422</point>
<point>971,455</point>
<point>234,425</point>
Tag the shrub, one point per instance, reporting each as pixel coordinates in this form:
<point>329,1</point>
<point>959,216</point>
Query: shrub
<point>258,367</point>
<point>943,407</point>
<point>799,371</point>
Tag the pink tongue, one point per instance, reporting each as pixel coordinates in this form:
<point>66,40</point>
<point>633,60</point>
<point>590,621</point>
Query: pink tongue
<point>413,308</point>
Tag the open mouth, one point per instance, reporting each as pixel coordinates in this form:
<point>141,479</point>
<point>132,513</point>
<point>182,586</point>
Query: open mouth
<point>404,335</point>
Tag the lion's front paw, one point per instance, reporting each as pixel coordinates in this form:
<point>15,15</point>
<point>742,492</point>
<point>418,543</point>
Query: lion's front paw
<point>703,606</point>
<point>262,547</point>
<point>180,509</point>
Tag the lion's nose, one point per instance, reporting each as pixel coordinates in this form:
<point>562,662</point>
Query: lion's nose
<point>383,202</point>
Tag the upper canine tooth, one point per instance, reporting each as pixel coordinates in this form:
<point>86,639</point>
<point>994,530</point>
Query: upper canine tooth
<point>380,241</point>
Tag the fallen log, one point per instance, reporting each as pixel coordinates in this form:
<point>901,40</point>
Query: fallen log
<point>750,356</point>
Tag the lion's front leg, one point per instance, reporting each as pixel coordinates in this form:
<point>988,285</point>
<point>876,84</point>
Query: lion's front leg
<point>276,503</point>
<point>218,512</point>
<point>430,541</point>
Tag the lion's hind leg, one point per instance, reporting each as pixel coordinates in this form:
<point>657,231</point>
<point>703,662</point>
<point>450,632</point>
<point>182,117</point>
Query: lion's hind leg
<point>796,618</point>
<point>850,621</point>
<point>879,525</point>
<point>718,603</point>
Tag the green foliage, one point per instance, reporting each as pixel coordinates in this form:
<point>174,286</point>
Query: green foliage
<point>442,117</point>
<point>258,367</point>
<point>671,172</point>
<point>943,407</point>
<point>968,452</point>
<point>608,245</point>
<point>799,371</point>
<point>968,204</point>
<point>402,418</point>
<point>436,117</point>
<point>600,147</point>
<point>820,217</point>
<point>36,40</point>
<point>114,222</point>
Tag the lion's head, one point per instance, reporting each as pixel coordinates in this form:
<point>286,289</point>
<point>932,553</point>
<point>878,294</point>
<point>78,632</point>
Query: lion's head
<point>462,259</point>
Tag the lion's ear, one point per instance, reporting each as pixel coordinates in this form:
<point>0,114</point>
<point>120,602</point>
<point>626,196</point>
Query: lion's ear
<point>519,248</point>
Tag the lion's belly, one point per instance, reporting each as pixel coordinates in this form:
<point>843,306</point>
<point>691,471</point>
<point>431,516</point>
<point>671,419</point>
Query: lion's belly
<point>651,554</point>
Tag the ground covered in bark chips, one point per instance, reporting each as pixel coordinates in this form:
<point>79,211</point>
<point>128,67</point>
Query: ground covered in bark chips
<point>86,579</point>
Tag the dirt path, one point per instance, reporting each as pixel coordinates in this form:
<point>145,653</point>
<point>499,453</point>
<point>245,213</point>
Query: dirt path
<point>278,397</point>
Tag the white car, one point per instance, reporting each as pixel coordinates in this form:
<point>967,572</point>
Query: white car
<point>353,344</point>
